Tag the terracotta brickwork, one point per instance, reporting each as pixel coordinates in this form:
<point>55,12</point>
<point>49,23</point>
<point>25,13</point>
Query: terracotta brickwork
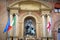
<point>3,19</point>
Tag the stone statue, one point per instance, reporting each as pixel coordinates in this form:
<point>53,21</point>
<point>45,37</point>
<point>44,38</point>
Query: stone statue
<point>29,27</point>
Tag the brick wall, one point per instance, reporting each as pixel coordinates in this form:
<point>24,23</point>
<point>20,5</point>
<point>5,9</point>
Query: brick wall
<point>3,19</point>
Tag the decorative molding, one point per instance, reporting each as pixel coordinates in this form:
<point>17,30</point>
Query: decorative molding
<point>29,2</point>
<point>48,14</point>
<point>30,13</point>
<point>43,15</point>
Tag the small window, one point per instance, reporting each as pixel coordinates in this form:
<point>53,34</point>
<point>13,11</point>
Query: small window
<point>57,10</point>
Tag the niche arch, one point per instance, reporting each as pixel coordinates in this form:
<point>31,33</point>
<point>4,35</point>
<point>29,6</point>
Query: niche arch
<point>29,23</point>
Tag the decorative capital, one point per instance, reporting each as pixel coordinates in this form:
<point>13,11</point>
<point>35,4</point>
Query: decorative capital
<point>48,14</point>
<point>43,14</point>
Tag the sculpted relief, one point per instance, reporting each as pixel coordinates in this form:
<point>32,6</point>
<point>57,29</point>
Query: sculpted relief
<point>29,28</point>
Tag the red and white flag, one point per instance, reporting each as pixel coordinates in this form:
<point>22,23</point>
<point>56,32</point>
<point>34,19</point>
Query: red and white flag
<point>48,26</point>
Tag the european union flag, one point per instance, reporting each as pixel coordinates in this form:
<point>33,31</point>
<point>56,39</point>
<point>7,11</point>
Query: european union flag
<point>7,25</point>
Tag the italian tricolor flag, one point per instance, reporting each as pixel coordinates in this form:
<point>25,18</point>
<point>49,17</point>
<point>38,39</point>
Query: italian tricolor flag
<point>13,23</point>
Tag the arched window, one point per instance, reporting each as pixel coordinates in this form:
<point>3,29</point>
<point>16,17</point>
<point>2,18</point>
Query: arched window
<point>58,34</point>
<point>57,7</point>
<point>59,29</point>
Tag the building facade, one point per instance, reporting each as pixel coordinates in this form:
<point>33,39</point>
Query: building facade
<point>32,18</point>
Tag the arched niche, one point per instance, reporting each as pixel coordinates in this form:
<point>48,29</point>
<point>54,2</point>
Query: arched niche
<point>30,23</point>
<point>29,26</point>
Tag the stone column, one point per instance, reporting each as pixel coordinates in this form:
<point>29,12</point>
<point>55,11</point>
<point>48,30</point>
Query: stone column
<point>11,31</point>
<point>44,25</point>
<point>49,20</point>
<point>16,29</point>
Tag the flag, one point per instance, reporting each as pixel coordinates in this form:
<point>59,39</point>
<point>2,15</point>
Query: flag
<point>48,26</point>
<point>9,26</point>
<point>13,21</point>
